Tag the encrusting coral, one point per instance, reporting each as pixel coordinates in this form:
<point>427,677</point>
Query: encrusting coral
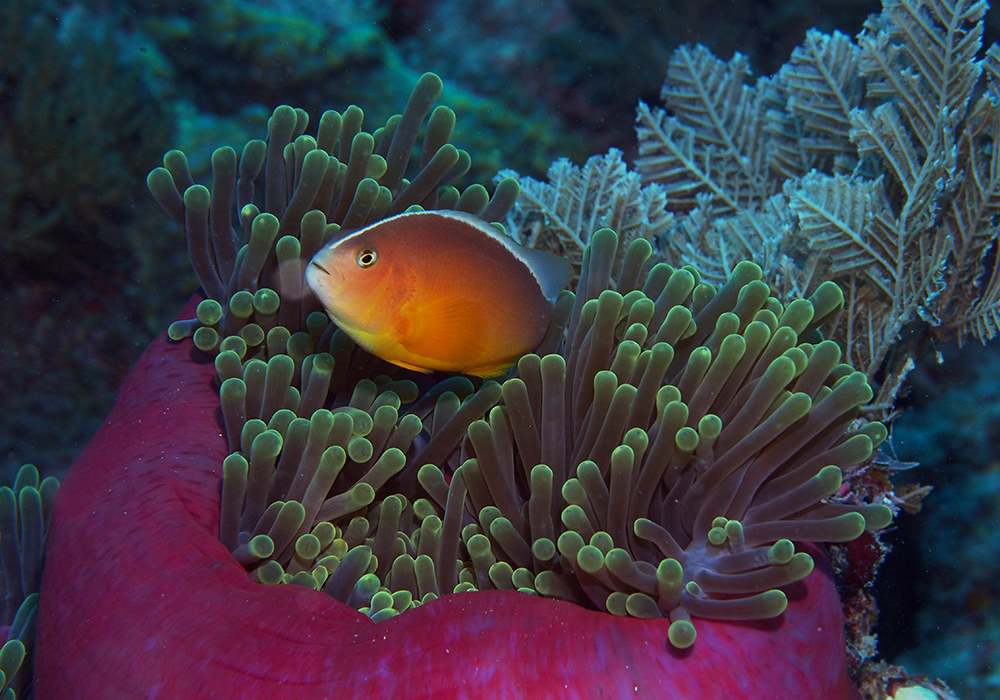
<point>655,458</point>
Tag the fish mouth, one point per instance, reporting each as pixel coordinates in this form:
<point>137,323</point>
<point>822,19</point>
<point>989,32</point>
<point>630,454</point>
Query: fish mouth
<point>319,278</point>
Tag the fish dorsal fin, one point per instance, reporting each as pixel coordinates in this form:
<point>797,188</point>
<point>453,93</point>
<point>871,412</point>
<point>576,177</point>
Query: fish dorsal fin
<point>552,272</point>
<point>449,328</point>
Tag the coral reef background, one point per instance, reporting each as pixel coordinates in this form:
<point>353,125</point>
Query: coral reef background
<point>92,93</point>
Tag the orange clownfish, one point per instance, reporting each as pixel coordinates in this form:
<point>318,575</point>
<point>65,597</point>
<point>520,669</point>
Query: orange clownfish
<point>439,290</point>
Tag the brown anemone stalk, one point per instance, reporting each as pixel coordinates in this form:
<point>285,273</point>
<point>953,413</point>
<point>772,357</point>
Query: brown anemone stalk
<point>273,513</point>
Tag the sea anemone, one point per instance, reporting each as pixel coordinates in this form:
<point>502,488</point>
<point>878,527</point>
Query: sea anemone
<point>656,458</point>
<point>25,509</point>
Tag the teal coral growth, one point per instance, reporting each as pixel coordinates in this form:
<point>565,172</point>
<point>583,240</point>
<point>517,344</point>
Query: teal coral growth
<point>78,129</point>
<point>271,52</point>
<point>272,48</point>
<point>76,121</point>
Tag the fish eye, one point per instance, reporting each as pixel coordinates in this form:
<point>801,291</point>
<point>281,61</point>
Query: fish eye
<point>366,257</point>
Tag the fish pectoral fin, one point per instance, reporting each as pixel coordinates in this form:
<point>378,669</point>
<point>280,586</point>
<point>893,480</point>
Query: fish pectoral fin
<point>450,329</point>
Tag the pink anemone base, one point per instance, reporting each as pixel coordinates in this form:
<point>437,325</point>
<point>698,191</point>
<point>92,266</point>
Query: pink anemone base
<point>141,600</point>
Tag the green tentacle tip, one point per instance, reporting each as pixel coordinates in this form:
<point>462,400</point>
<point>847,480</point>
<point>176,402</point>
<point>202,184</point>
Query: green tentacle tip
<point>616,603</point>
<point>846,527</point>
<point>640,247</point>
<point>197,198</point>
<point>717,536</point>
<point>829,479</point>
<point>801,566</point>
<point>11,657</point>
<point>381,601</point>
<point>270,573</point>
<point>206,339</point>
<point>174,160</point>
<point>316,322</point>
<point>734,532</point>
<point>681,634</point>
<point>234,344</point>
<point>251,334</point>
<point>429,86</point>
<point>179,330</point>
<point>709,427</point>
<point>747,271</point>
<point>27,475</point>
<point>160,182</point>
<point>241,304</point>
<point>228,364</point>
<point>304,579</point>
<point>307,547</point>
<point>359,449</point>
<point>224,157</point>
<point>235,465</point>
<point>877,517</point>
<point>590,559</point>
<point>233,389</point>
<point>265,301</point>
<point>686,439</point>
<point>781,552</point>
<point>287,248</point>
<point>366,587</point>
<point>876,431</point>
<point>827,298</point>
<point>771,603</point>
<point>266,445</point>
<point>384,614</point>
<point>642,606</point>
<point>209,312</point>
<point>507,190</point>
<point>261,546</point>
<point>670,574</point>
<point>543,549</point>
<point>402,600</point>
